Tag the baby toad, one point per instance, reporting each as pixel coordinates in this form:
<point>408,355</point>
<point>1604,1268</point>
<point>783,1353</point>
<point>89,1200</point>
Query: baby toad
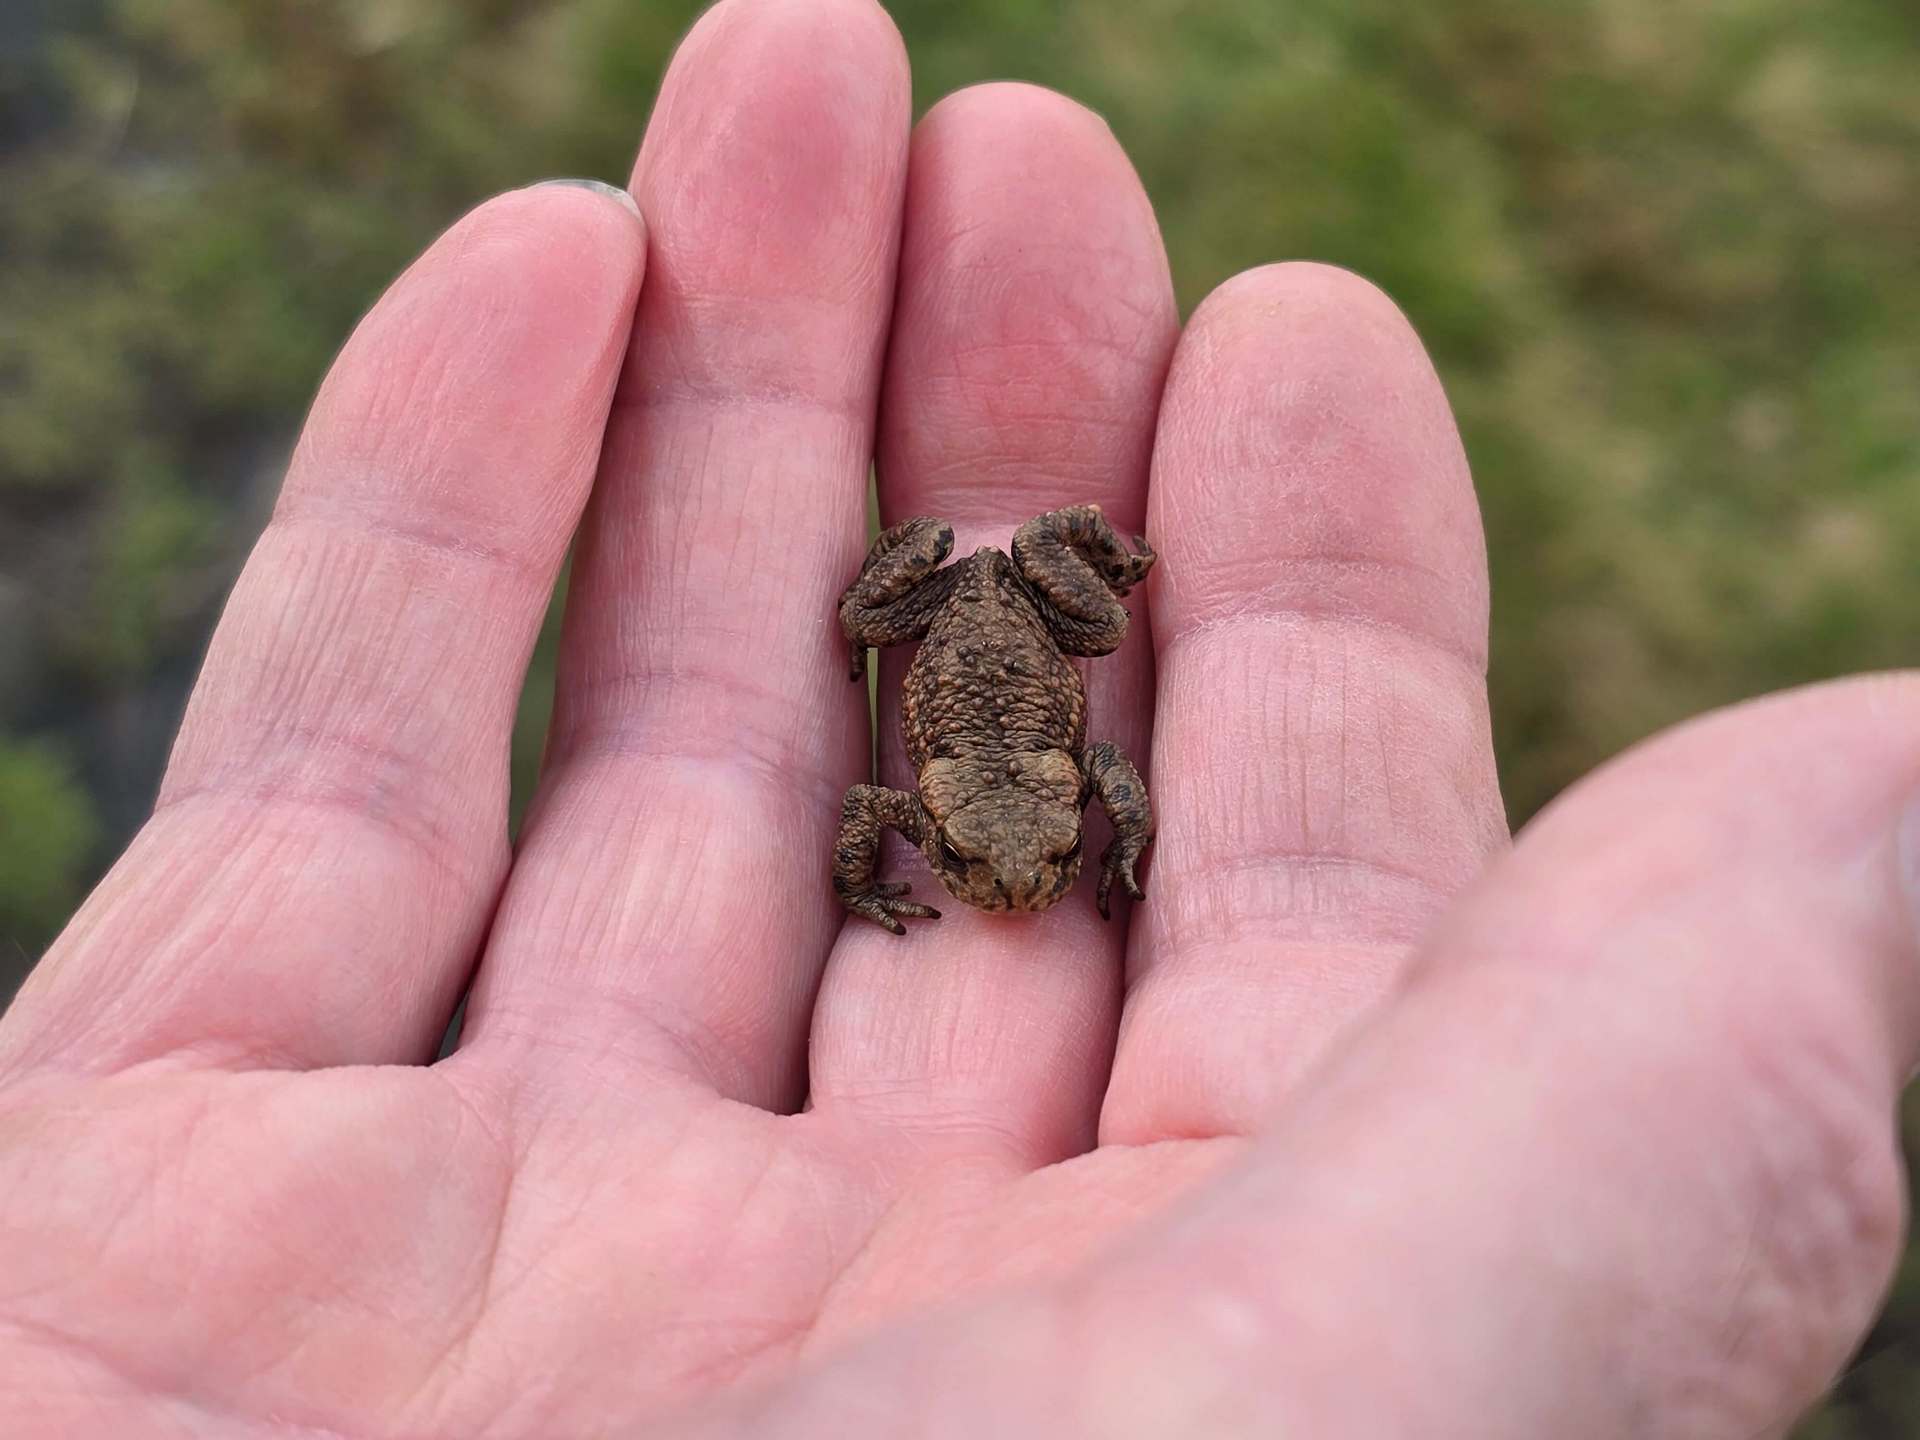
<point>995,715</point>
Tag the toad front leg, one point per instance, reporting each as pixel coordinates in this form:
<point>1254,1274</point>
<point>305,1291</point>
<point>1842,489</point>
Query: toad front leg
<point>1124,797</point>
<point>867,811</point>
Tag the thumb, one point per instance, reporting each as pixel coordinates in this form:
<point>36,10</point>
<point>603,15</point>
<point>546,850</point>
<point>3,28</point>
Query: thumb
<point>1621,1159</point>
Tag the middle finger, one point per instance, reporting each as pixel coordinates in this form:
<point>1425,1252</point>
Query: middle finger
<point>1033,329</point>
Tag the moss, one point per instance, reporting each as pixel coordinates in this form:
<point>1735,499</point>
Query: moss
<point>48,839</point>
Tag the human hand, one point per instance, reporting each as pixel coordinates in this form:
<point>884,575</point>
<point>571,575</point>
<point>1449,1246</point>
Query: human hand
<point>1313,1142</point>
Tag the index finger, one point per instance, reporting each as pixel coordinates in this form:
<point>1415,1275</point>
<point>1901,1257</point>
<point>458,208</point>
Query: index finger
<point>1322,748</point>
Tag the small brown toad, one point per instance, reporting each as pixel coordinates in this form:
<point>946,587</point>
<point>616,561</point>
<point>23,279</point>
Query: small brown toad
<point>995,715</point>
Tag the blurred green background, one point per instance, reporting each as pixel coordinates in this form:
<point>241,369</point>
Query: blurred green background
<point>1666,254</point>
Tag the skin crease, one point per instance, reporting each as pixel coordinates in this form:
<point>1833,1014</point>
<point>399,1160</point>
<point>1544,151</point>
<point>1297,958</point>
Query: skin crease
<point>1362,1125</point>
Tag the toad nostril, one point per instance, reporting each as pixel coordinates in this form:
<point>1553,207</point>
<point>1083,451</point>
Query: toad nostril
<point>1033,881</point>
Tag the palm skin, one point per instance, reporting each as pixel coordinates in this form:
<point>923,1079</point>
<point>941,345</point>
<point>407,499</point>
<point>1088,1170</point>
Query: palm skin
<point>1358,1126</point>
<point>352,1250</point>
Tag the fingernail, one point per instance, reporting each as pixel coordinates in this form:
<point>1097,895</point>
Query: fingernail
<point>598,187</point>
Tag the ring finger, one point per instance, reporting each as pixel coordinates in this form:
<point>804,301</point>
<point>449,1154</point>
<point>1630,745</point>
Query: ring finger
<point>667,915</point>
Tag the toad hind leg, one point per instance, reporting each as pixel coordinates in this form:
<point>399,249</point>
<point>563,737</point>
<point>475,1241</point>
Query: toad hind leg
<point>1124,797</point>
<point>896,594</point>
<point>867,811</point>
<point>1078,564</point>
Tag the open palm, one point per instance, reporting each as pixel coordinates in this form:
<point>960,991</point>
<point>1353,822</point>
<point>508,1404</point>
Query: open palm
<point>1611,1157</point>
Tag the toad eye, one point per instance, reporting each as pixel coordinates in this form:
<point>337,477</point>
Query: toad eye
<point>951,857</point>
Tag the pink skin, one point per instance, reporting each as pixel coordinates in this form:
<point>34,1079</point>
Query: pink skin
<point>1361,1126</point>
